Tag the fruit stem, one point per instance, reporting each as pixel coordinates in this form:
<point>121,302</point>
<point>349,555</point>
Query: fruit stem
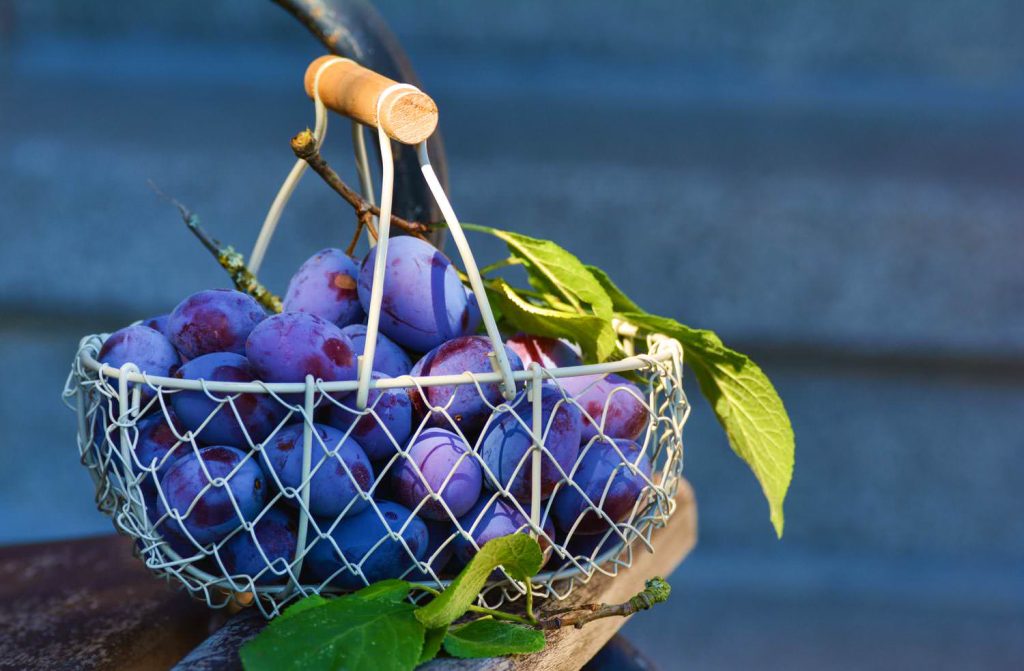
<point>230,260</point>
<point>655,591</point>
<point>305,147</point>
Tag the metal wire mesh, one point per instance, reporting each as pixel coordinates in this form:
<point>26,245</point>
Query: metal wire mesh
<point>117,406</point>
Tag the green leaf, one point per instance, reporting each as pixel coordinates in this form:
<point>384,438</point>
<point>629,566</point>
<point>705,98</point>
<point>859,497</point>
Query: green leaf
<point>432,643</point>
<point>555,269</point>
<point>491,638</point>
<point>348,632</point>
<point>519,554</point>
<point>592,333</point>
<point>620,301</point>
<point>385,590</point>
<point>745,402</point>
<point>311,601</point>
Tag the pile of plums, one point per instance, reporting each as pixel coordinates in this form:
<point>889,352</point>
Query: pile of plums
<point>446,470</point>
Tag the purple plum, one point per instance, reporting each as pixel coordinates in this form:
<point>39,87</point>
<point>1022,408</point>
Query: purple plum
<point>388,358</point>
<point>142,346</point>
<point>449,469</point>
<point>364,541</point>
<point>548,352</point>
<point>332,488</point>
<point>276,534</point>
<point>491,518</point>
<point>325,285</point>
<point>215,320</point>
<point>158,324</point>
<point>424,303</point>
<point>387,424</point>
<point>157,447</point>
<point>205,487</point>
<point>602,473</point>
<point>613,400</point>
<point>506,444</point>
<point>259,413</point>
<point>464,403</point>
<point>291,345</point>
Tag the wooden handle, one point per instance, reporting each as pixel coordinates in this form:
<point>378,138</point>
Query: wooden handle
<point>406,115</point>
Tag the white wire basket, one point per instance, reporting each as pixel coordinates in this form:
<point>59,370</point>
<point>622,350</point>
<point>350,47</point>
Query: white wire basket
<point>586,528</point>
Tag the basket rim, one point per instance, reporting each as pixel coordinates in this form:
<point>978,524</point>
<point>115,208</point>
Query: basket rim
<point>665,349</point>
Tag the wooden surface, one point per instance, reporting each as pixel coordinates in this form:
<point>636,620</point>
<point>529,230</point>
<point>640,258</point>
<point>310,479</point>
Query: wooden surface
<point>89,604</point>
<point>406,114</point>
<point>569,649</point>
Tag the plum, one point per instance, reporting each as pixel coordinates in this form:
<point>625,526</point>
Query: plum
<point>158,324</point>
<point>276,534</point>
<point>613,400</point>
<point>205,487</point>
<point>215,320</point>
<point>291,345</point>
<point>424,303</point>
<point>325,285</point>
<point>259,413</point>
<point>448,468</point>
<point>548,352</point>
<point>379,432</point>
<point>491,518</point>
<point>602,472</point>
<point>506,443</point>
<point>439,550</point>
<point>357,538</point>
<point>146,348</point>
<point>331,487</point>
<point>156,448</point>
<point>388,358</point>
<point>467,407</point>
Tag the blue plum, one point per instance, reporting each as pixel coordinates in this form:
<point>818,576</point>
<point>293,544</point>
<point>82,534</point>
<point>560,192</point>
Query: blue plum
<point>548,352</point>
<point>388,358</point>
<point>288,346</point>
<point>276,533</point>
<point>205,501</point>
<point>378,435</point>
<point>613,400</point>
<point>325,285</point>
<point>506,444</point>
<point>468,407</point>
<point>357,538</point>
<point>142,346</point>
<point>448,469</point>
<point>439,550</point>
<point>158,324</point>
<point>157,447</point>
<point>602,473</point>
<point>424,303</point>
<point>215,320</point>
<point>492,518</point>
<point>331,487</point>
<point>259,413</point>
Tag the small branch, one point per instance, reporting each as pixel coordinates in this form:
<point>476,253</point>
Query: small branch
<point>305,147</point>
<point>656,591</point>
<point>227,257</point>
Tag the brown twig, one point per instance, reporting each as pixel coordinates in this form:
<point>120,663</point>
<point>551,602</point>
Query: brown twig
<point>655,591</point>
<point>305,147</point>
<point>230,260</point>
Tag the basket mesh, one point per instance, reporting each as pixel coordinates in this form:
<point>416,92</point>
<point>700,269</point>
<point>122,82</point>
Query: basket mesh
<point>112,408</point>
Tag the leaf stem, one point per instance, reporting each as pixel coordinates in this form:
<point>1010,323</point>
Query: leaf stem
<point>498,265</point>
<point>497,614</point>
<point>529,602</point>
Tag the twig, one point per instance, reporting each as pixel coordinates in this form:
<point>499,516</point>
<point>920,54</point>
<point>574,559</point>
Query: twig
<point>232,261</point>
<point>656,591</point>
<point>305,147</point>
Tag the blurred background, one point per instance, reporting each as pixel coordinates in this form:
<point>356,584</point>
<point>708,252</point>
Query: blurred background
<point>834,187</point>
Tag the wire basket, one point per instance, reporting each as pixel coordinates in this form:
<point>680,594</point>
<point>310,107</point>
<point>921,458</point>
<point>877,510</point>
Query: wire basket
<point>588,524</point>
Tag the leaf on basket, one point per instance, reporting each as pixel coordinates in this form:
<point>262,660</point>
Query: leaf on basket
<point>385,590</point>
<point>491,638</point>
<point>432,643</point>
<point>745,402</point>
<point>554,269</point>
<point>519,554</point>
<point>593,334</point>
<point>620,301</point>
<point>348,632</point>
<point>311,601</point>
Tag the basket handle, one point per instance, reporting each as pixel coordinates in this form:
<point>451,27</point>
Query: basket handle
<point>405,114</point>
